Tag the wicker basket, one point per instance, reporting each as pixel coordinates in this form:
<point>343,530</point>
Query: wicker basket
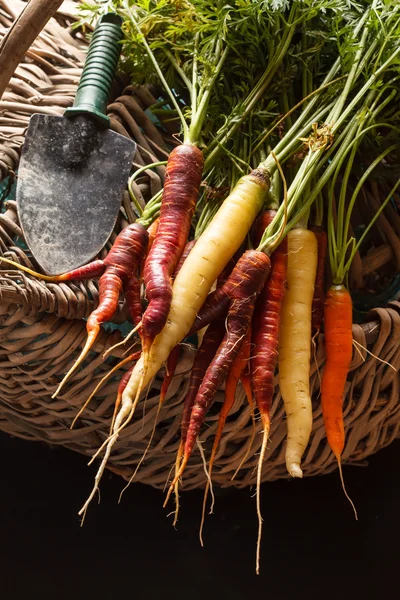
<point>42,325</point>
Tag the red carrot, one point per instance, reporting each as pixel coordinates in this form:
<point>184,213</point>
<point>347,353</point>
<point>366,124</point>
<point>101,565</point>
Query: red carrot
<point>182,183</point>
<point>171,365</point>
<point>209,345</point>
<point>265,324</point>
<point>338,321</point>
<point>249,275</point>
<point>245,380</point>
<point>128,250</point>
<point>133,299</point>
<point>319,288</point>
<point>265,338</point>
<point>184,256</point>
<point>217,302</point>
<point>92,270</point>
<point>152,232</point>
<point>260,224</point>
<point>246,383</point>
<point>122,263</point>
<point>238,366</point>
<point>169,371</point>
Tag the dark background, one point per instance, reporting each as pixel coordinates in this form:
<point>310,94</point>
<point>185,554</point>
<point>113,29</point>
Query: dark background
<point>312,546</point>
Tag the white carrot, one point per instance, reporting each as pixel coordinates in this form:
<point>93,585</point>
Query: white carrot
<point>295,344</point>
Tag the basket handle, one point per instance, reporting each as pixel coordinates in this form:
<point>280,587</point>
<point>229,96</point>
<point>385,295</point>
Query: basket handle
<point>22,34</point>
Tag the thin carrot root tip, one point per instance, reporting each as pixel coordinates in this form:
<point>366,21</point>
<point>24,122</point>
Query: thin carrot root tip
<point>249,446</point>
<point>122,420</point>
<point>178,461</point>
<point>209,487</point>
<point>133,356</point>
<point>92,335</point>
<point>176,479</point>
<point>123,341</point>
<point>258,492</point>
<point>339,460</point>
<point>177,506</point>
<point>132,477</point>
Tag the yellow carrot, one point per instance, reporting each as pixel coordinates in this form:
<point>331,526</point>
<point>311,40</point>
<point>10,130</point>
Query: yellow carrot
<point>295,346</point>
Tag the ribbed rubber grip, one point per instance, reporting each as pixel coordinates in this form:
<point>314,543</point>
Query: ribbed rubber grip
<point>99,70</point>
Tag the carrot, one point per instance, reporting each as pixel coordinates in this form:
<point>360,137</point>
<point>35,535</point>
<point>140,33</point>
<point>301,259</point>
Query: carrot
<point>319,290</point>
<point>92,270</point>
<point>199,271</point>
<point>133,299</point>
<point>235,372</point>
<point>128,250</point>
<point>169,371</point>
<point>121,265</point>
<point>184,256</point>
<point>208,347</point>
<point>260,224</point>
<point>182,183</point>
<point>152,231</point>
<point>213,250</point>
<point>265,338</point>
<point>294,344</point>
<point>172,360</point>
<point>250,275</point>
<point>171,365</point>
<point>246,384</point>
<point>338,321</point>
<point>217,302</point>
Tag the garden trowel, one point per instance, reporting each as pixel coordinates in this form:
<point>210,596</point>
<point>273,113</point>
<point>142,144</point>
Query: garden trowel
<point>73,168</point>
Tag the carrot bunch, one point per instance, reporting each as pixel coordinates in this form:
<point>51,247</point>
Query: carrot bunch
<point>233,259</point>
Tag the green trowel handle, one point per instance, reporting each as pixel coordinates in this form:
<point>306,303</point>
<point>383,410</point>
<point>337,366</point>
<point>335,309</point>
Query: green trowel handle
<point>99,70</point>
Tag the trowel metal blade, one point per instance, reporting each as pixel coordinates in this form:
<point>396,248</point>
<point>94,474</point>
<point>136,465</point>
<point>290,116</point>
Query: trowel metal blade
<point>70,182</point>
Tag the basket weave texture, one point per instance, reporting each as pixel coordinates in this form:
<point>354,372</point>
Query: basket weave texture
<point>42,326</point>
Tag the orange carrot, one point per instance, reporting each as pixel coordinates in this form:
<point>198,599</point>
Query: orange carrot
<point>338,320</point>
